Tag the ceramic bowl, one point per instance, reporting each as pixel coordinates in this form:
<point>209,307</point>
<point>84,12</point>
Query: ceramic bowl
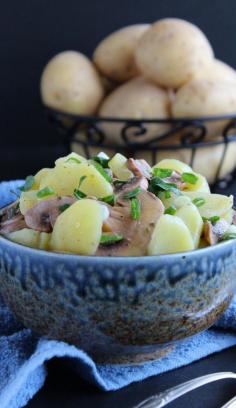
<point>118,309</point>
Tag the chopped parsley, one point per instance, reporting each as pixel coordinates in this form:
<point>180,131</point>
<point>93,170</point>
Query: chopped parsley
<point>171,210</point>
<point>135,208</point>
<point>199,201</point>
<point>46,191</point>
<point>109,239</point>
<point>132,194</point>
<point>162,173</point>
<point>189,178</point>
<point>29,181</point>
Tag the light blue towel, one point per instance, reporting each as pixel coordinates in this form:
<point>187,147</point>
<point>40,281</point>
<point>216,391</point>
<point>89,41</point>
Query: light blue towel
<point>23,355</point>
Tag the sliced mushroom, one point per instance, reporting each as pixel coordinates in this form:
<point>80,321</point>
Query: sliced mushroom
<point>16,223</point>
<point>130,186</point>
<point>9,211</point>
<point>140,168</point>
<point>43,215</point>
<point>175,178</point>
<point>136,233</point>
<point>213,232</point>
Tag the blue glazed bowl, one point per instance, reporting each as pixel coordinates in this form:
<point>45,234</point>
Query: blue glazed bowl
<point>118,309</point>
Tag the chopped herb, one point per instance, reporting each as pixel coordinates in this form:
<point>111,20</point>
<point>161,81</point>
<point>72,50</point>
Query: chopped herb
<point>135,208</point>
<point>132,194</point>
<point>46,191</point>
<point>110,199</point>
<point>162,173</point>
<point>157,184</point>
<point>79,194</point>
<point>228,236</point>
<point>63,207</point>
<point>119,183</point>
<point>189,178</point>
<point>29,181</point>
<point>82,178</point>
<point>199,201</point>
<point>109,239</point>
<point>103,161</point>
<point>74,160</point>
<point>101,170</point>
<point>167,194</point>
<point>212,219</point>
<point>171,210</point>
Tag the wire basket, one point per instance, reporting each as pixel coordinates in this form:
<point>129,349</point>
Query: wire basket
<point>188,139</point>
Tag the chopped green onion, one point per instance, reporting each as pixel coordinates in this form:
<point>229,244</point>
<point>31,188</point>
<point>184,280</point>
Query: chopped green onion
<point>171,210</point>
<point>109,239</point>
<point>79,194</point>
<point>132,194</point>
<point>212,219</point>
<point>135,208</point>
<point>101,170</point>
<point>228,236</point>
<point>199,201</point>
<point>29,181</point>
<point>119,183</point>
<point>74,160</point>
<point>157,184</point>
<point>46,191</point>
<point>63,207</point>
<point>167,194</point>
<point>162,173</point>
<point>82,178</point>
<point>103,161</point>
<point>189,178</point>
<point>110,199</point>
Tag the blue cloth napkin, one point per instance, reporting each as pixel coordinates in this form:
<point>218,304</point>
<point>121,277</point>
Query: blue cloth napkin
<point>23,355</point>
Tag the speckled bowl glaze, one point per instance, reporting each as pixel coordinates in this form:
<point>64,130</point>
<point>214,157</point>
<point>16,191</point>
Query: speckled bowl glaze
<point>118,309</point>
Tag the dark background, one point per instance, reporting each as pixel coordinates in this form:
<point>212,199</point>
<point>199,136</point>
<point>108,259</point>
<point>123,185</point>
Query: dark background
<point>32,31</point>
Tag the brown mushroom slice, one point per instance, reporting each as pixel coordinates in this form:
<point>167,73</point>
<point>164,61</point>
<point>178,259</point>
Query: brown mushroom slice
<point>139,167</point>
<point>42,216</point>
<point>130,186</point>
<point>136,233</point>
<point>16,223</point>
<point>10,211</point>
<point>213,232</point>
<point>175,178</point>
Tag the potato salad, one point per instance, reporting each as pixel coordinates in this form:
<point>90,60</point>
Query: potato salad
<point>117,207</point>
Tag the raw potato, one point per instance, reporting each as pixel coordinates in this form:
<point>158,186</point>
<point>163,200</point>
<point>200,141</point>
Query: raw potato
<point>25,236</point>
<point>202,97</point>
<point>71,84</point>
<point>118,166</point>
<point>193,220</point>
<point>114,56</point>
<point>215,204</point>
<point>136,99</point>
<point>27,200</point>
<point>170,235</point>
<point>172,52</point>
<point>64,179</point>
<point>218,71</point>
<point>78,229</point>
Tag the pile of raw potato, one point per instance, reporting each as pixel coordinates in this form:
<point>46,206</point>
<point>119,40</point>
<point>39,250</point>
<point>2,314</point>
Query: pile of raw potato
<point>162,70</point>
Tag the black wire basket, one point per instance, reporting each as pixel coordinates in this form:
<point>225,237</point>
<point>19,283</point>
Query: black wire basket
<point>190,140</point>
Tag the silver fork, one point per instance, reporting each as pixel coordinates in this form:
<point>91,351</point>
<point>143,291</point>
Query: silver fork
<point>164,398</point>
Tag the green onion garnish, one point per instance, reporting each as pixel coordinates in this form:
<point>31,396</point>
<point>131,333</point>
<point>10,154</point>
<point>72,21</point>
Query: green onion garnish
<point>46,191</point>
<point>119,183</point>
<point>109,239</point>
<point>162,173</point>
<point>101,170</point>
<point>79,194</point>
<point>212,219</point>
<point>29,181</point>
<point>199,201</point>
<point>82,178</point>
<point>135,208</point>
<point>103,161</point>
<point>132,194</point>
<point>110,199</point>
<point>157,184</point>
<point>167,194</point>
<point>63,207</point>
<point>74,160</point>
<point>189,178</point>
<point>171,210</point>
<point>228,236</point>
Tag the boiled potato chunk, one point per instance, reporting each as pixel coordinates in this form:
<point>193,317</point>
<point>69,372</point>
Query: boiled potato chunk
<point>44,241</point>
<point>192,219</point>
<point>40,175</point>
<point>64,179</point>
<point>72,157</point>
<point>25,236</point>
<point>27,200</point>
<point>78,229</point>
<point>200,186</point>
<point>118,166</point>
<point>174,164</point>
<point>215,204</point>
<point>170,235</point>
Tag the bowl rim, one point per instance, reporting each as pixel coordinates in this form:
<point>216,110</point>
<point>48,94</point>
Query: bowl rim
<point>122,259</point>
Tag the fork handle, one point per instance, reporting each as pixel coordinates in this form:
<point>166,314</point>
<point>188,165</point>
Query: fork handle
<point>230,404</point>
<point>164,398</point>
